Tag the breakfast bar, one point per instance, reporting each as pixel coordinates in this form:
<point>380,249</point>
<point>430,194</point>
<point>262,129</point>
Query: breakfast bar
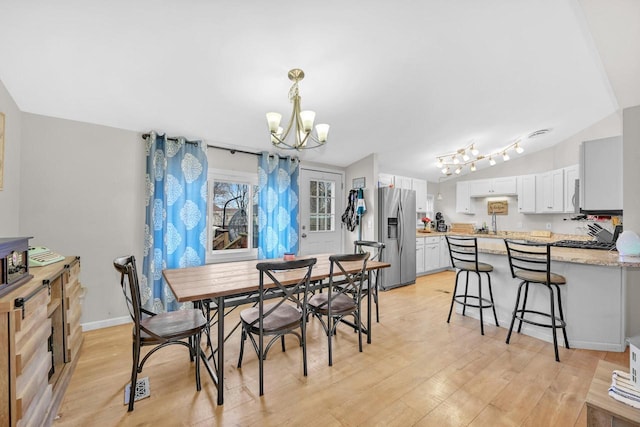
<point>594,298</point>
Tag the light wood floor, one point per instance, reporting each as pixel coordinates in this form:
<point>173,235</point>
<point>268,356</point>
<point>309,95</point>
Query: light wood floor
<point>419,370</point>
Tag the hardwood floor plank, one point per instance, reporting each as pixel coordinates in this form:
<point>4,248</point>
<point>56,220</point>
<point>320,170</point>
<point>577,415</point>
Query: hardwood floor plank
<point>419,370</point>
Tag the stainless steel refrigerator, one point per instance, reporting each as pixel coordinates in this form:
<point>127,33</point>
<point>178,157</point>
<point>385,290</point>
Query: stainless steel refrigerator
<point>397,230</point>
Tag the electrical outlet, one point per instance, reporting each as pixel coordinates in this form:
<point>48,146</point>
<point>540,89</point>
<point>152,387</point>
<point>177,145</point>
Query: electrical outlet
<point>548,226</point>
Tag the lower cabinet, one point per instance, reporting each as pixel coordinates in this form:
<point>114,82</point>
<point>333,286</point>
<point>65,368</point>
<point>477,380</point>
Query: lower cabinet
<point>40,336</point>
<point>432,254</point>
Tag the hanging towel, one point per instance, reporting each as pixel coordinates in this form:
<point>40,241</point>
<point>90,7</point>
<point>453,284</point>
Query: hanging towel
<point>623,390</point>
<point>361,208</point>
<point>350,217</point>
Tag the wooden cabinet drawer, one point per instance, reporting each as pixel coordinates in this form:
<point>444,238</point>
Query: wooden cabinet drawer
<point>32,381</point>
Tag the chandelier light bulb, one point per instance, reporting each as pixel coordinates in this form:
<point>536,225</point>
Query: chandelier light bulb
<point>492,162</point>
<point>474,150</point>
<point>505,156</point>
<point>307,118</point>
<point>519,149</point>
<point>273,119</point>
<point>473,167</point>
<point>323,132</point>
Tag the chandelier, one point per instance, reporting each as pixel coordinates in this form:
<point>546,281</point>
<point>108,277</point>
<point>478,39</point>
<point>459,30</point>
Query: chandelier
<point>301,122</point>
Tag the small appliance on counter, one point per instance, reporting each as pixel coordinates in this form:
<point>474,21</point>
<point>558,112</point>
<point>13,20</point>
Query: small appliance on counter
<point>440,225</point>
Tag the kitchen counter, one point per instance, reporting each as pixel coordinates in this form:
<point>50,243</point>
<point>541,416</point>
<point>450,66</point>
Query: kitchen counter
<point>493,244</point>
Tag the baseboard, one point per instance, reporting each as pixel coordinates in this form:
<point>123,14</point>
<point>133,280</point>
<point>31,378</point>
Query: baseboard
<point>89,326</point>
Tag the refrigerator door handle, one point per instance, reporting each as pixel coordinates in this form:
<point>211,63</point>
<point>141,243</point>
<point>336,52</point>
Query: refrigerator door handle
<point>400,229</point>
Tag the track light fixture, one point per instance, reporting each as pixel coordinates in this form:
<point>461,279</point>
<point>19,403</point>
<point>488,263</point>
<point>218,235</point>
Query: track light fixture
<point>461,158</point>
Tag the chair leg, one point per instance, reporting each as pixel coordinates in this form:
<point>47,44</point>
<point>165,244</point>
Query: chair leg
<point>466,292</point>
<point>453,296</point>
<point>564,328</point>
<point>261,361</point>
<point>375,299</point>
<point>493,305</point>
<point>553,323</point>
<point>196,349</point>
<point>282,341</point>
<point>243,337</point>
<point>356,320</point>
<point>515,312</point>
<point>134,374</point>
<point>303,327</point>
<point>330,337</point>
<point>480,307</point>
<point>524,305</point>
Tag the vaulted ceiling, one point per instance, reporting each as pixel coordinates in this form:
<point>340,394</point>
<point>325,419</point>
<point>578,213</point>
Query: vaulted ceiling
<point>409,80</point>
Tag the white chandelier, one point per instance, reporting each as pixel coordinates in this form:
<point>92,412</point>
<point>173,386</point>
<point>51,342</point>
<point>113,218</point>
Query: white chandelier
<point>301,122</point>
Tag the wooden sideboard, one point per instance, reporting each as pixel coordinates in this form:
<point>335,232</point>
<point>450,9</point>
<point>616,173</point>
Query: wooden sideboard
<point>40,338</point>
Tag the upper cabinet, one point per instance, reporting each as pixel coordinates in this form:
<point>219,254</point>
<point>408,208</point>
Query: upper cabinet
<point>504,186</point>
<point>601,174</point>
<point>463,198</point>
<point>526,194</point>
<point>571,198</point>
<point>420,186</point>
<point>550,191</point>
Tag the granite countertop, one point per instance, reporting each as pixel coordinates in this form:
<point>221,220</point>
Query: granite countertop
<point>493,244</point>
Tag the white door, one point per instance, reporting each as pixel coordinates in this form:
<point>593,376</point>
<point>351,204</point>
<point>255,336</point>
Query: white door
<point>321,208</point>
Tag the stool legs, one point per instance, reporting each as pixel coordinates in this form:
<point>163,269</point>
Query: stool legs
<point>453,296</point>
<point>520,312</point>
<point>480,305</point>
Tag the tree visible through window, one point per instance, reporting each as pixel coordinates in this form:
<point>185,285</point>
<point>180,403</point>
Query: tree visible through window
<point>321,205</point>
<point>230,215</point>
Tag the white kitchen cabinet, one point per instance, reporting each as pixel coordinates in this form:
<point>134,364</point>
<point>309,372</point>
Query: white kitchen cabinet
<point>550,192</point>
<point>432,254</point>
<point>526,194</point>
<point>404,182</point>
<point>601,174</point>
<point>385,180</point>
<point>503,186</point>
<point>463,198</point>
<point>420,187</point>
<point>571,174</point>
<point>420,255</point>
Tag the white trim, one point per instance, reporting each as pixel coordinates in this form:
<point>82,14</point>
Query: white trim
<point>90,326</point>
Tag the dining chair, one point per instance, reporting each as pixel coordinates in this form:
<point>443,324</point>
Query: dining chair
<point>530,262</point>
<point>286,283</point>
<point>463,252</point>
<point>183,327</point>
<point>343,296</point>
<point>375,251</point>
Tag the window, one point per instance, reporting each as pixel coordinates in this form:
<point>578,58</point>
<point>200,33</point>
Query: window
<point>321,206</point>
<point>232,220</point>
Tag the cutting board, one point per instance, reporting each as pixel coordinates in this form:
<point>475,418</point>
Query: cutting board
<point>462,227</point>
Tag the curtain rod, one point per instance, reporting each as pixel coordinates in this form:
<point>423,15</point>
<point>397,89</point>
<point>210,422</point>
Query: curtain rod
<point>231,150</point>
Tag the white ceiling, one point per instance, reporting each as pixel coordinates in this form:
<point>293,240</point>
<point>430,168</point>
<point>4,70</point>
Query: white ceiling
<point>407,79</point>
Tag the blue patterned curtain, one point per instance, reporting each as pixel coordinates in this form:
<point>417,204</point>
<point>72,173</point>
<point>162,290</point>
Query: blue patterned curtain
<point>277,206</point>
<point>176,215</point>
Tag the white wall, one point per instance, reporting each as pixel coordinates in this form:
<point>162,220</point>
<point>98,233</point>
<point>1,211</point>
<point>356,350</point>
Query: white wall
<point>10,194</point>
<point>366,168</point>
<point>564,154</point>
<point>83,194</point>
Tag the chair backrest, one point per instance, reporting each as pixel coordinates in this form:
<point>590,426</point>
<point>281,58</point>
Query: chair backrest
<point>463,250</point>
<point>126,266</point>
<point>375,252</point>
<point>529,256</point>
<point>284,281</point>
<point>343,282</point>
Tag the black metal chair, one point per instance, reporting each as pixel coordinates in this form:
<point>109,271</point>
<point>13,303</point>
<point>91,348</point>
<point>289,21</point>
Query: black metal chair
<point>343,296</point>
<point>375,251</point>
<point>182,327</point>
<point>464,258</point>
<point>284,316</point>
<point>531,263</point>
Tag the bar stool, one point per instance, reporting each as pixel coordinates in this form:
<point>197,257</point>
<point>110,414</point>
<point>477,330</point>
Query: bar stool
<point>464,258</point>
<point>531,263</point>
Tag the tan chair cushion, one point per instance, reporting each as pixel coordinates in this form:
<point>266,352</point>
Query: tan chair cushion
<point>471,266</point>
<point>340,304</point>
<point>539,277</point>
<point>283,317</point>
<point>172,324</point>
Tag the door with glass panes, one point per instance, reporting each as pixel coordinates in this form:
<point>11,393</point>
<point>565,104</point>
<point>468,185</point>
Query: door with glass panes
<point>321,205</point>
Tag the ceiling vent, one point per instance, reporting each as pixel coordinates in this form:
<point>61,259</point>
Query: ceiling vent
<point>538,133</point>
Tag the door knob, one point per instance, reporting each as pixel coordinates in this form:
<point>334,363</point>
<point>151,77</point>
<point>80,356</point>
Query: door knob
<point>304,234</point>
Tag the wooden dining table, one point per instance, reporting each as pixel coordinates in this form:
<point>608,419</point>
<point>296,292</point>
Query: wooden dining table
<point>231,284</point>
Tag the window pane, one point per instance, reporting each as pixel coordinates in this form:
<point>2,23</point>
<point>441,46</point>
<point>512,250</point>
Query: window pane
<point>330,223</point>
<point>313,207</point>
<point>229,215</point>
<point>321,188</point>
<point>330,186</point>
<point>313,188</point>
<point>313,224</point>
